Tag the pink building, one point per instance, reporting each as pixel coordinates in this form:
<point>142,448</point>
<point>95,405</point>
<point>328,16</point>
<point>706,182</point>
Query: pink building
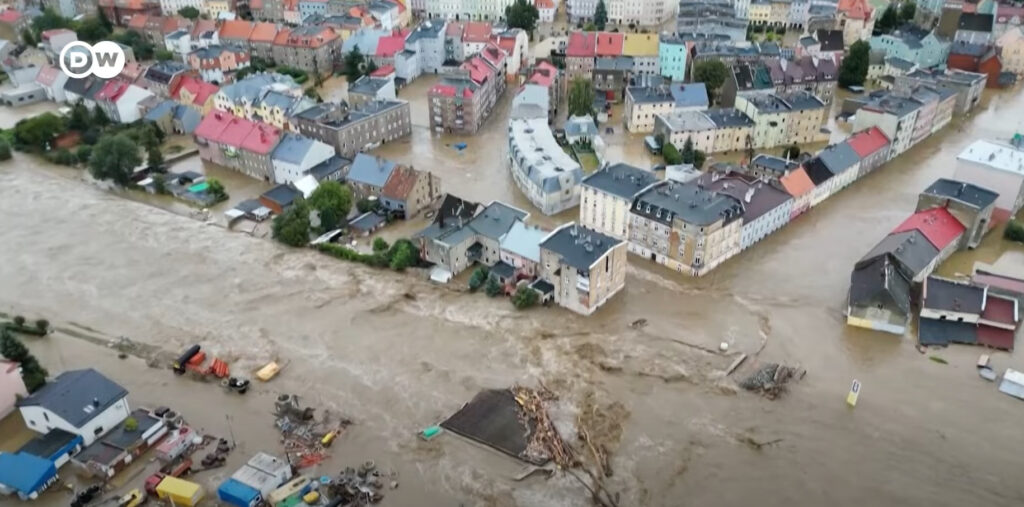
<point>11,386</point>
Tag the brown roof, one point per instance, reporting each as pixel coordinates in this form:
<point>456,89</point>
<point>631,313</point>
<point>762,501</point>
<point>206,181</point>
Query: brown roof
<point>400,183</point>
<point>175,23</point>
<point>237,29</point>
<point>202,26</point>
<point>263,32</point>
<point>138,21</point>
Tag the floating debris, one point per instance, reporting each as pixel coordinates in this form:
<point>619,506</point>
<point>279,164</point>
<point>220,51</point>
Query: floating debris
<point>360,487</point>
<point>771,379</point>
<point>305,439</point>
<point>638,324</point>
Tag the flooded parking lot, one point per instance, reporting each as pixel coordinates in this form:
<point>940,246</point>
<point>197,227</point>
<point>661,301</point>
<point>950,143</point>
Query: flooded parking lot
<point>397,354</point>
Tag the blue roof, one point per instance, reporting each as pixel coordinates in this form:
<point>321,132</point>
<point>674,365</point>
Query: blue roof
<point>523,240</point>
<point>25,473</point>
<point>189,118</point>
<point>292,148</point>
<point>370,170</point>
<point>162,109</point>
<point>839,157</point>
<point>690,94</point>
<point>77,396</point>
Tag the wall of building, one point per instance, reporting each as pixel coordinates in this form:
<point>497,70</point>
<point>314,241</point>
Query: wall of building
<point>42,421</point>
<point>604,212</point>
<point>1009,186</point>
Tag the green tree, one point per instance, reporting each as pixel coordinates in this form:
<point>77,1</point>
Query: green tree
<point>581,97</point>
<point>371,67</point>
<point>39,131</point>
<point>33,374</point>
<point>671,154</point>
<point>216,189</point>
<point>402,254</point>
<point>142,48</point>
<point>1014,231</point>
<point>189,13</point>
<point>163,55</point>
<point>5,150</point>
<point>131,424</point>
<point>99,117</point>
<point>104,20</point>
<point>114,158</point>
<point>522,14</point>
<point>907,11</point>
<point>889,21</point>
<point>590,27</point>
<point>525,297</point>
<point>49,20</point>
<point>699,157</point>
<point>83,153</point>
<point>600,15</point>
<point>380,245</point>
<point>79,117</point>
<point>19,320</point>
<point>292,227</point>
<point>493,287</point>
<point>367,205</point>
<point>28,37</point>
<point>687,154</point>
<point>477,279</point>
<point>354,62</point>
<point>854,69</point>
<point>154,157</point>
<point>712,73</point>
<point>92,30</point>
<point>333,201</point>
<point>42,325</point>
<point>792,152</point>
<point>12,348</point>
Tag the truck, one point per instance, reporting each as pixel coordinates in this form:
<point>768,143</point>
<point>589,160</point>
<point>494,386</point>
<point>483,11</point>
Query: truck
<point>179,491</point>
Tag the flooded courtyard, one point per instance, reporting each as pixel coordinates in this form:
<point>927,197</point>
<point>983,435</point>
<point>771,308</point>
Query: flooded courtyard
<point>396,354</point>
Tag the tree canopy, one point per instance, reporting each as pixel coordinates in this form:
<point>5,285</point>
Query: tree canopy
<point>292,227</point>
<point>525,297</point>
<point>522,14</point>
<point>333,201</point>
<point>907,11</point>
<point>690,155</point>
<point>712,73</point>
<point>792,152</point>
<point>854,69</point>
<point>671,154</point>
<point>354,62</point>
<point>889,20</point>
<point>38,132</point>
<point>142,48</point>
<point>189,12</point>
<point>581,97</point>
<point>600,15</point>
<point>114,158</point>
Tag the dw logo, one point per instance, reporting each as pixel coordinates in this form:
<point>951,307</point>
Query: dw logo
<point>79,59</point>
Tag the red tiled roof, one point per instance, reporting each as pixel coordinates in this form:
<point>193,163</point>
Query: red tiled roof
<point>400,183</point>
<point>1000,310</point>
<point>507,44</point>
<point>132,71</point>
<point>937,224</point>
<point>478,69</point>
<point>47,75</point>
<point>449,91</point>
<point>138,21</point>
<point>544,4</point>
<point>454,29</point>
<point>112,90</point>
<point>174,23</point>
<point>493,55</point>
<point>263,32</point>
<point>390,45</point>
<point>324,36</point>
<point>10,16</point>
<point>610,44</point>
<point>581,44</point>
<point>855,9</point>
<point>54,32</point>
<point>262,139</point>
<point>202,26</point>
<point>383,71</point>
<point>213,124</point>
<point>198,88</point>
<point>477,31</point>
<point>868,141</point>
<point>236,29</point>
<point>235,132</point>
<point>797,182</point>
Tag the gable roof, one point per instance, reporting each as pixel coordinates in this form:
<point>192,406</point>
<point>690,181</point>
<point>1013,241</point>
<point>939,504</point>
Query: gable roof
<point>796,182</point>
<point>937,224</point>
<point>263,32</point>
<point>578,246</point>
<point>77,396</point>
<point>817,171</point>
<point>909,249</point>
<point>236,29</point>
<point>877,278</point>
<point>370,170</point>
<point>581,44</point>
<point>947,295</point>
<point>839,157</point>
<point>969,193</point>
<point>262,139</point>
<point>831,40</point>
<point>868,141</point>
<point>609,44</point>
<point>400,183</point>
<point>476,31</point>
<point>621,180</point>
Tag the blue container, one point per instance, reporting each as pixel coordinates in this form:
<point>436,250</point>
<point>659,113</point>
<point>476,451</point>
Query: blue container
<point>240,495</point>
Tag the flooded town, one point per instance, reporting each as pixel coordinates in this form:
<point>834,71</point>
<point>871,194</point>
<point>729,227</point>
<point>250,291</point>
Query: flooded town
<point>530,253</point>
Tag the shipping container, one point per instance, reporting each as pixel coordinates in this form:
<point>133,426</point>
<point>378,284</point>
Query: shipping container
<point>238,494</point>
<point>256,479</point>
<point>179,491</point>
<point>277,467</point>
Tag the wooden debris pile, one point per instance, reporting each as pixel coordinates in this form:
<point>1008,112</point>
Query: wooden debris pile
<point>772,379</point>
<point>544,440</point>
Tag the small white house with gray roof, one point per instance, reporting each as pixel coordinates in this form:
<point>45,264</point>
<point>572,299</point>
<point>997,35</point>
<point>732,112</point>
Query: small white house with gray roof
<point>548,176</point>
<point>296,155</point>
<point>82,402</point>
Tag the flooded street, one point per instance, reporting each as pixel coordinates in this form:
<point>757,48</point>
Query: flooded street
<point>396,354</point>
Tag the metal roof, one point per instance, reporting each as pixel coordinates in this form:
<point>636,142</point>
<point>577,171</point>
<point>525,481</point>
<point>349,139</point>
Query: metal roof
<point>621,180</point>
<point>77,396</point>
<point>688,202</point>
<point>877,279</point>
<point>965,192</point>
<point>948,295</point>
<point>578,246</point>
<point>910,250</point>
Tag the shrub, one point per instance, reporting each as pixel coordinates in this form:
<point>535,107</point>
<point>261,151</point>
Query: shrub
<point>82,153</point>
<point>43,325</point>
<point>5,150</point>
<point>525,297</point>
<point>492,288</point>
<point>477,279</point>
<point>367,205</point>
<point>380,245</point>
<point>1014,231</point>
<point>131,424</point>
<point>19,320</point>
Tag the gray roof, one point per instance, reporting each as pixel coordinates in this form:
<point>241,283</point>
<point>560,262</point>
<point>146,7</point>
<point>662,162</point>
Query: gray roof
<point>368,85</point>
<point>578,246</point>
<point>367,221</point>
<point>453,212</point>
<point>580,126</point>
<point>328,167</point>
<point>650,94</point>
<point>293,148</point>
<point>758,197</point>
<point>685,121</point>
<point>162,109</point>
<point>370,170</point>
<point>966,48</point>
<point>623,63</point>
<point>975,22</point>
<point>911,250</point>
<point>969,193</point>
<point>688,202</point>
<point>876,280</point>
<point>430,29</point>
<point>729,117</point>
<point>946,295</point>
<point>831,40</point>
<point>620,180</point>
<point>895,105</point>
<point>839,157</point>
<point>944,332</point>
<point>282,194</point>
<point>775,164</point>
<point>77,396</point>
<point>899,63</point>
<point>689,94</point>
<point>253,85</point>
<point>162,72</point>
<point>493,222</point>
<point>188,116</point>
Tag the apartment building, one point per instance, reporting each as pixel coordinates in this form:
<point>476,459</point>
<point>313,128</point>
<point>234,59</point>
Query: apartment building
<point>548,176</point>
<point>713,19</point>
<point>783,119</point>
<point>895,116</point>
<point>313,49</point>
<point>579,55</point>
<point>818,76</point>
<point>857,19</point>
<point>215,64</point>
<point>606,197</point>
<point>585,268</point>
<point>464,98</point>
<point>640,12</point>
<point>684,227</point>
<point>766,209</point>
<point>672,57</point>
<point>998,166</point>
<point>645,103</point>
<point>734,130</point>
<point>351,131</point>
<point>467,10</point>
<point>237,143</point>
<point>680,126</point>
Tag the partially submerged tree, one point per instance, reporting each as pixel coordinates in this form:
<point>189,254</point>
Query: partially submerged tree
<point>712,73</point>
<point>522,14</point>
<point>334,202</point>
<point>581,97</point>
<point>525,297</point>
<point>114,158</point>
<point>854,69</point>
<point>292,227</point>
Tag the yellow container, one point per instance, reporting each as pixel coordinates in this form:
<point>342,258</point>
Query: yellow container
<point>311,497</point>
<point>179,491</point>
<point>290,488</point>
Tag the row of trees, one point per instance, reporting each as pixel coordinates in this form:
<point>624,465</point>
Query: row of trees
<point>32,373</point>
<point>399,256</point>
<point>524,297</point>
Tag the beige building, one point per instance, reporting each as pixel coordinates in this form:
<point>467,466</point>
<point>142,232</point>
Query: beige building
<point>678,127</point>
<point>353,130</point>
<point>733,129</point>
<point>606,196</point>
<point>685,227</point>
<point>584,267</point>
<point>1011,46</point>
<point>783,119</point>
<point>643,105</point>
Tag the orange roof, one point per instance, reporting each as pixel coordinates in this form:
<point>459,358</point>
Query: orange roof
<point>797,183</point>
<point>174,23</point>
<point>236,29</point>
<point>477,31</point>
<point>855,9</point>
<point>544,4</point>
<point>282,37</point>
<point>200,90</point>
<point>400,183</point>
<point>203,26</point>
<point>138,21</point>
<point>263,32</point>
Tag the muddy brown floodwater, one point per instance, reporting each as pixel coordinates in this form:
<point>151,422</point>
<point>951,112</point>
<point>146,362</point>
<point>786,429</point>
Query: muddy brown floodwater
<point>397,354</point>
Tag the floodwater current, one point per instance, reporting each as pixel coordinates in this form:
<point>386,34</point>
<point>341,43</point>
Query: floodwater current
<point>396,354</point>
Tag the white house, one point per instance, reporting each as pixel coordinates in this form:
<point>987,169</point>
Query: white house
<point>995,165</point>
<point>82,402</point>
<point>179,42</point>
<point>295,155</point>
